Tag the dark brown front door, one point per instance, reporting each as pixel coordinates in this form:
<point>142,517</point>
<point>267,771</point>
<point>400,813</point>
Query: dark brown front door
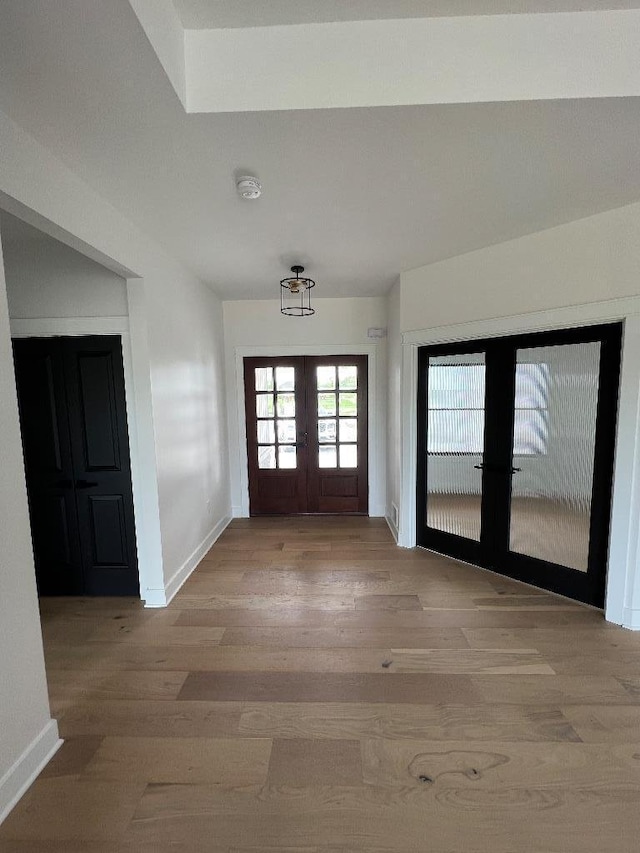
<point>307,434</point>
<point>76,448</point>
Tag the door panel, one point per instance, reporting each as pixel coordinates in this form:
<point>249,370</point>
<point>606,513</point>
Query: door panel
<point>99,436</point>
<point>74,429</point>
<point>48,465</point>
<point>96,394</point>
<point>307,434</point>
<point>337,411</point>
<point>276,435</point>
<point>542,440</point>
<point>107,516</point>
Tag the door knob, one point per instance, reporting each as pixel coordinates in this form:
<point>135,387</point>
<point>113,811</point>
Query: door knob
<point>85,484</point>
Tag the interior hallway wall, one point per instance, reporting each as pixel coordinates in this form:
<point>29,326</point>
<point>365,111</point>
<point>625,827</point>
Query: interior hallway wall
<point>337,322</point>
<point>46,279</point>
<point>589,260</point>
<point>176,342</point>
<point>27,733</point>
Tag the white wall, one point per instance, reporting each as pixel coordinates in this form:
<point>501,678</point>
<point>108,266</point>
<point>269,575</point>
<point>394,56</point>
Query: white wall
<point>394,408</point>
<point>176,337</point>
<point>339,323</point>
<point>588,260</point>
<point>27,733</point>
<point>45,278</point>
<point>583,272</point>
<point>186,342</point>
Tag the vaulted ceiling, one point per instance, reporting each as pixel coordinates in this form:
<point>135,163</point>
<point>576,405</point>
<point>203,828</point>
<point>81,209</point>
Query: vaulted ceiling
<point>357,194</point>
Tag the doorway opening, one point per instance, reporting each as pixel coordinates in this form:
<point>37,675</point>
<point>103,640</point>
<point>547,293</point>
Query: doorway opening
<point>307,434</point>
<point>516,441</point>
<point>73,420</point>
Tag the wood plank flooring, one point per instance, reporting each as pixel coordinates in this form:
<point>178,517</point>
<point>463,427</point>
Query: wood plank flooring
<point>314,689</point>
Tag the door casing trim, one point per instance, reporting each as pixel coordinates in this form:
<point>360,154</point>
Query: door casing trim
<point>622,604</point>
<point>376,501</point>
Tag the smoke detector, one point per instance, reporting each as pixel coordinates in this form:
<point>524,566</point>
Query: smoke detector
<point>249,187</point>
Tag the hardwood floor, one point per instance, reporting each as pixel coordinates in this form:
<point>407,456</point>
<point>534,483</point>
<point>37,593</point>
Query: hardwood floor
<point>314,688</point>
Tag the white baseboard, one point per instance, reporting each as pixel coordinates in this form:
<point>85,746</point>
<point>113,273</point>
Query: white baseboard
<point>162,597</point>
<point>26,768</point>
<point>392,528</point>
<point>154,598</point>
<point>237,512</point>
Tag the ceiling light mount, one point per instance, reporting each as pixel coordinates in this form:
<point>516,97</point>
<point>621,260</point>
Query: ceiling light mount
<point>248,187</point>
<point>295,294</point>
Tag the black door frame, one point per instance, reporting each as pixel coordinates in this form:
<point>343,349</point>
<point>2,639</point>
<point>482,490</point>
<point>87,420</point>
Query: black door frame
<point>64,328</point>
<point>492,551</point>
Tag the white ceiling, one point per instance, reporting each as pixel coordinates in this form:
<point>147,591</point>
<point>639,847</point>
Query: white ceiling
<point>357,195</point>
<point>201,14</point>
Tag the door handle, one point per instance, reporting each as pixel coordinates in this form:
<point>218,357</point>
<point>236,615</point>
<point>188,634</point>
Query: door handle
<point>487,466</point>
<point>303,441</point>
<point>85,484</point>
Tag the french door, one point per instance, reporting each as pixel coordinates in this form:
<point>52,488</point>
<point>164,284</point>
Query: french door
<point>515,455</point>
<point>307,434</point>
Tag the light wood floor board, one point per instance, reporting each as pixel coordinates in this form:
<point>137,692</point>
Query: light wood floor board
<point>490,766</point>
<point>556,690</point>
<point>335,721</point>
<point>67,808</point>
<point>460,817</point>
<point>344,638</point>
<point>328,686</point>
<point>314,689</point>
<point>228,761</point>
<point>296,762</point>
<point>151,719</point>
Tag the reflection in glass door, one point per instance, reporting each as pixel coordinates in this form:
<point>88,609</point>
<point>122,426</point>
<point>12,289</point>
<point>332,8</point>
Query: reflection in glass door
<point>515,450</point>
<point>556,405</point>
<point>455,443</point>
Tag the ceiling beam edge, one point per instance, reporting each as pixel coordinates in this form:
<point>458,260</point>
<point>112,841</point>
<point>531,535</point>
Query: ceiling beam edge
<point>416,61</point>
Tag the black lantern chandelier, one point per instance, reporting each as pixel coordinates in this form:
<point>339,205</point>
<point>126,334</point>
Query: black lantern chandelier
<point>295,294</point>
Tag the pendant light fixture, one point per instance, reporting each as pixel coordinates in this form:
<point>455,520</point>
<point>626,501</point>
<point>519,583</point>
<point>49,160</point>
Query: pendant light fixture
<point>295,294</point>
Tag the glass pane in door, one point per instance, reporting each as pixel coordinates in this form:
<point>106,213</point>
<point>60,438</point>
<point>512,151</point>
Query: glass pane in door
<point>275,412</point>
<point>337,416</point>
<point>455,443</point>
<point>553,452</point>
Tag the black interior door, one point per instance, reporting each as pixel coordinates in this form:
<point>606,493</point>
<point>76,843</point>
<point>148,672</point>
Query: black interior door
<point>516,448</point>
<point>74,429</point>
